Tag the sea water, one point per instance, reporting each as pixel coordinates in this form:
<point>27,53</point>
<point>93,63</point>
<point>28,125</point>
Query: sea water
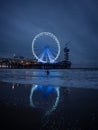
<point>84,78</point>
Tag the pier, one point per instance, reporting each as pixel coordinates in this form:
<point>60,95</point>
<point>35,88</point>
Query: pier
<point>10,63</point>
<point>19,62</point>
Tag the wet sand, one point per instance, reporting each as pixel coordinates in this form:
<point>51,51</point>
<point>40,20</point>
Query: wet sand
<point>77,110</point>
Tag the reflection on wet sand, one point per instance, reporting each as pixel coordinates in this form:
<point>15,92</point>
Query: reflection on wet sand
<point>46,96</point>
<point>48,107</point>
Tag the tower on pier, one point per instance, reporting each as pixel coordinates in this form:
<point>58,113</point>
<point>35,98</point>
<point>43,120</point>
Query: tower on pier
<point>66,52</point>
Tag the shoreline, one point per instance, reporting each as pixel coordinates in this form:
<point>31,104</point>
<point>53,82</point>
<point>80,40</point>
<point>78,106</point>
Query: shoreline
<point>71,68</point>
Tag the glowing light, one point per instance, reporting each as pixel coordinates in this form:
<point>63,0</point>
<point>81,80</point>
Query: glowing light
<point>32,91</point>
<point>46,91</point>
<point>13,86</point>
<point>46,53</point>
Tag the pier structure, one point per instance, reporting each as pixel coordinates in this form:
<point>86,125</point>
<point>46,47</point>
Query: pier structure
<point>22,63</point>
<point>66,55</point>
<point>30,64</point>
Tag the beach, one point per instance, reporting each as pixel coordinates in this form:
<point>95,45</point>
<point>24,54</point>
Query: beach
<point>62,100</point>
<point>77,109</point>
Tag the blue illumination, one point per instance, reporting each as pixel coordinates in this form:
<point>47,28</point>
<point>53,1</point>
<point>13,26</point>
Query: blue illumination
<point>47,56</point>
<point>47,52</point>
<point>46,90</point>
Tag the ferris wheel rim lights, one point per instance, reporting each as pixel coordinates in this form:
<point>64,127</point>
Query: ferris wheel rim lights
<point>51,36</point>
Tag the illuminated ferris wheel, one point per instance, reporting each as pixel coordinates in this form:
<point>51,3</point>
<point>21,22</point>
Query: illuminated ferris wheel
<point>46,47</point>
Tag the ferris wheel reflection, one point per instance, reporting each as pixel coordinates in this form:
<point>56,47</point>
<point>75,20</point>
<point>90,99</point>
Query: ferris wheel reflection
<point>44,97</point>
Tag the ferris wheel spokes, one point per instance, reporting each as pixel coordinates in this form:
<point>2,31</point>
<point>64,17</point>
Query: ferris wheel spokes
<point>46,56</point>
<point>41,57</point>
<point>51,57</point>
<point>48,52</point>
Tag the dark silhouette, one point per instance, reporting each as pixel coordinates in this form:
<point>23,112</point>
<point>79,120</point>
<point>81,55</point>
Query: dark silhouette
<point>47,72</point>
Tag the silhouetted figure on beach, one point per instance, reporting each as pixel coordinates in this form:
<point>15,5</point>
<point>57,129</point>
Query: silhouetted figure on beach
<point>47,72</point>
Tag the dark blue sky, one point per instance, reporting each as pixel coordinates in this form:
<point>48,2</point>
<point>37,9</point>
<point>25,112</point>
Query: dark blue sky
<point>69,20</point>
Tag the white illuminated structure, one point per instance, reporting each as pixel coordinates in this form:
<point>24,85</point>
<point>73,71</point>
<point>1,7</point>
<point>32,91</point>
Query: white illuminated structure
<point>48,52</point>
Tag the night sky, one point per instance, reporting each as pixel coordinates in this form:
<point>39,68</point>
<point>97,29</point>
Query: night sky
<point>69,20</point>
